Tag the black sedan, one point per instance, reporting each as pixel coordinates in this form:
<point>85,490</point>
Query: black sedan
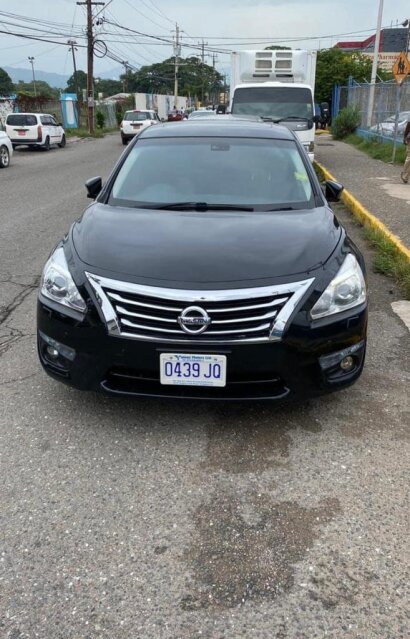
<point>209,266</point>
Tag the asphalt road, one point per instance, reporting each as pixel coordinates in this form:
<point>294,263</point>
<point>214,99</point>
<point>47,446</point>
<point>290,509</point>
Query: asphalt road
<point>152,520</point>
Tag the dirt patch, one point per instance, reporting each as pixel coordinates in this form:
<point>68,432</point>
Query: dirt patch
<point>246,548</point>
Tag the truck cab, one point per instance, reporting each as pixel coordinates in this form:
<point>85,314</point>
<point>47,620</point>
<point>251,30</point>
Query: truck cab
<point>277,86</point>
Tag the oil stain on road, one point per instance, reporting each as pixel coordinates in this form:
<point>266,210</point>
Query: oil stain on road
<point>246,547</point>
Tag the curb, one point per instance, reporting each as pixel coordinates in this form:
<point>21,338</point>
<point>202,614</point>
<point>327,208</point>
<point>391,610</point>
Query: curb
<point>364,216</point>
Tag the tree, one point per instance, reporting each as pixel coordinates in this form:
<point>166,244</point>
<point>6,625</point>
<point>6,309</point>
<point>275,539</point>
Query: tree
<point>6,84</point>
<point>81,78</point>
<point>108,87</point>
<point>42,89</point>
<point>277,47</point>
<point>194,78</point>
<point>335,66</point>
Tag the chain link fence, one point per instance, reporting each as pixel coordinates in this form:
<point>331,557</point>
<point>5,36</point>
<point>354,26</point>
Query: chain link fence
<point>388,99</point>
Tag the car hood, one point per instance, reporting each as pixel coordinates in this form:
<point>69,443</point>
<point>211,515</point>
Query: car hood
<point>203,247</point>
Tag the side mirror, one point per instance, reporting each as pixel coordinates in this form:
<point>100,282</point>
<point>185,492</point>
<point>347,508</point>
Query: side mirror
<point>93,186</point>
<point>333,191</point>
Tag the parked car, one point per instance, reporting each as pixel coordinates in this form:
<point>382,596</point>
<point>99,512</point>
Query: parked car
<point>35,130</point>
<point>6,150</point>
<point>210,265</point>
<point>387,127</point>
<point>136,121</point>
<point>176,116</point>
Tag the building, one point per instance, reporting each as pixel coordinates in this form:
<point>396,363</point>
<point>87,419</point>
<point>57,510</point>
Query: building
<point>392,42</point>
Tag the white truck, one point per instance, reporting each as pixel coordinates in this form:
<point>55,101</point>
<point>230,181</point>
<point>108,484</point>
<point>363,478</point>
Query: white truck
<point>278,86</point>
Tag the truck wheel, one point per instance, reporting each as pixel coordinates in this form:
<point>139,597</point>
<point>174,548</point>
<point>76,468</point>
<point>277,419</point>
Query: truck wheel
<point>62,143</point>
<point>46,145</point>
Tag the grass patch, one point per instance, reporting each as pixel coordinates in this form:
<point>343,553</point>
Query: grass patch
<point>83,133</point>
<point>389,260</point>
<point>378,150</point>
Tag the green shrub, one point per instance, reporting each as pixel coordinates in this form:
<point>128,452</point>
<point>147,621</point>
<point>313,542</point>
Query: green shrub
<point>119,115</point>
<point>100,119</point>
<point>346,122</point>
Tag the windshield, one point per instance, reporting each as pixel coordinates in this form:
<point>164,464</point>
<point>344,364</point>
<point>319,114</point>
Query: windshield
<point>273,102</point>
<point>260,173</point>
<point>132,116</point>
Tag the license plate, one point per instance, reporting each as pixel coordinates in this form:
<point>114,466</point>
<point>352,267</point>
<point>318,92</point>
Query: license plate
<point>187,369</point>
<point>136,126</point>
<point>22,133</point>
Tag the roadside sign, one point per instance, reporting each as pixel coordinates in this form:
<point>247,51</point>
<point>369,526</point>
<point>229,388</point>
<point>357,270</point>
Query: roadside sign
<point>401,68</point>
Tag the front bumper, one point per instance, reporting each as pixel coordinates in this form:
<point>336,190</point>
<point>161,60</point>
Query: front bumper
<point>297,367</point>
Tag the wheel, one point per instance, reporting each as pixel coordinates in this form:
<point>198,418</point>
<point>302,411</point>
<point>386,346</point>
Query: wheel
<point>62,143</point>
<point>124,140</point>
<point>4,157</point>
<point>14,146</point>
<point>46,145</point>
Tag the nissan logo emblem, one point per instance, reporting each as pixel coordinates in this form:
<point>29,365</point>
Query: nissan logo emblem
<point>194,320</point>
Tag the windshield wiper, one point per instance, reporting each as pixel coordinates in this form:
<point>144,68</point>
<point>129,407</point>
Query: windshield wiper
<point>287,117</point>
<point>283,208</point>
<point>196,206</point>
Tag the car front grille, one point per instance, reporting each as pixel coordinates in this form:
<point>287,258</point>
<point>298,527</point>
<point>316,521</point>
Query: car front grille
<point>222,316</point>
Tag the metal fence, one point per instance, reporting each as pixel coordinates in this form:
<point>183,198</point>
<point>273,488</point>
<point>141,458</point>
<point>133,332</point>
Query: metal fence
<point>388,99</point>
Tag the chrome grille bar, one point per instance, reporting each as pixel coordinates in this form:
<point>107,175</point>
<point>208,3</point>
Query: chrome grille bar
<point>249,315</point>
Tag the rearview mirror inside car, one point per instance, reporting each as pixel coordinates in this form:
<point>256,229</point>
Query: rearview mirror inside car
<point>93,186</point>
<point>333,190</point>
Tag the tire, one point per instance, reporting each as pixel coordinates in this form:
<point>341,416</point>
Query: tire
<point>14,146</point>
<point>46,145</point>
<point>4,157</point>
<point>124,140</point>
<point>62,143</point>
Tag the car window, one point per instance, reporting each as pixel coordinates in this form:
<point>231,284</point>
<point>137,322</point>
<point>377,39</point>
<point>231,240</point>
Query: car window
<point>45,119</point>
<point>260,173</point>
<point>53,121</point>
<point>21,119</point>
<point>135,116</point>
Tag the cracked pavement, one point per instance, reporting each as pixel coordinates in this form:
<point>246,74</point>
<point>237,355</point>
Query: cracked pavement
<point>154,520</point>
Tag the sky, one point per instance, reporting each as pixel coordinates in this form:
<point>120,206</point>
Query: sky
<point>221,23</point>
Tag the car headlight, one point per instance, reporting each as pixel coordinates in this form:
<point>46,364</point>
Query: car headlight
<point>58,285</point>
<point>346,290</point>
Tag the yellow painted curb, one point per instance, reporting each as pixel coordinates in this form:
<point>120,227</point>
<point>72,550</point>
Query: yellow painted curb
<point>322,132</point>
<point>364,216</point>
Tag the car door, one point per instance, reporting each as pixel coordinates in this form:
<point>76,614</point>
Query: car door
<point>56,130</point>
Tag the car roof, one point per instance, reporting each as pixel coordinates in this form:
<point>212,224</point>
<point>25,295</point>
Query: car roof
<point>219,126</point>
<point>139,110</point>
<point>27,113</point>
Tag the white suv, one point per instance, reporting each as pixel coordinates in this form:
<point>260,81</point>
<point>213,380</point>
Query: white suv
<point>136,121</point>
<point>34,129</point>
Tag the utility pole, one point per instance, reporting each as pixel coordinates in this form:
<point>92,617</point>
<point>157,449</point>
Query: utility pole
<point>73,49</point>
<point>125,83</point>
<point>374,66</point>
<point>177,53</point>
<point>90,61</point>
<point>202,44</point>
<point>31,60</point>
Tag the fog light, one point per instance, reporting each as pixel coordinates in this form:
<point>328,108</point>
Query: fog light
<point>55,349</point>
<point>347,364</point>
<point>53,352</point>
